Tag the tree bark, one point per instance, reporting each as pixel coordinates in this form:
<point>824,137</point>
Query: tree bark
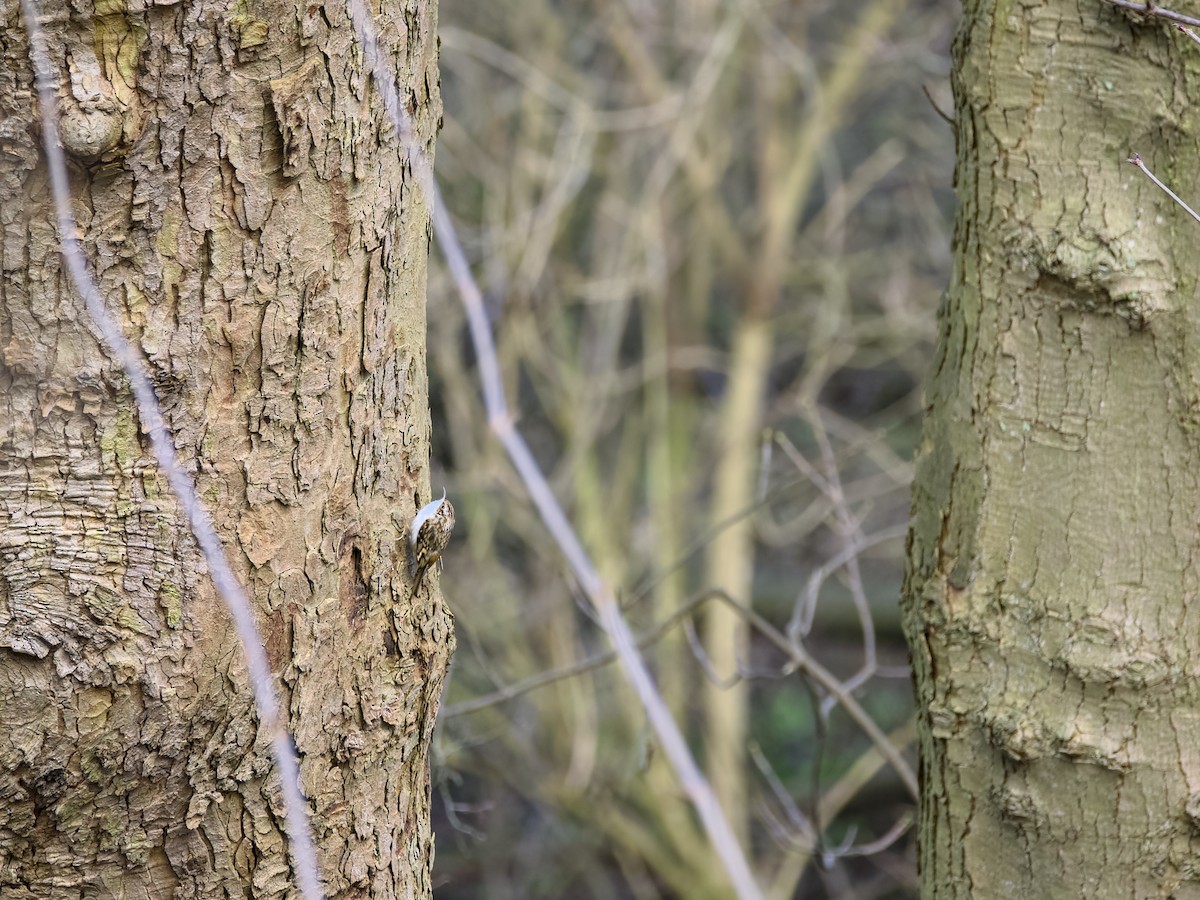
<point>251,220</point>
<point>1051,599</point>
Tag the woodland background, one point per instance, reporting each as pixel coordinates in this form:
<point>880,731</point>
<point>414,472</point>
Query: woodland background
<point>618,171</point>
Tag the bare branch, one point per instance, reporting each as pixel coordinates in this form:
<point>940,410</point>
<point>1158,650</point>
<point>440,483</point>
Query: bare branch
<point>560,97</point>
<point>702,657</point>
<point>880,844</point>
<point>806,605</point>
<point>796,818</point>
<point>798,660</point>
<point>1136,160</point>
<point>599,661</point>
<point>1156,12</point>
<point>937,109</point>
<point>805,838</point>
<point>674,746</point>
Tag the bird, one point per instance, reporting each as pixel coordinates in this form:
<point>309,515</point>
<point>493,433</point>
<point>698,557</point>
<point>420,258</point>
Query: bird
<point>429,536</point>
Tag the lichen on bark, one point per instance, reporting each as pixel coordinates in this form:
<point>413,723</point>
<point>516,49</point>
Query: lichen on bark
<point>250,218</point>
<point>1051,595</point>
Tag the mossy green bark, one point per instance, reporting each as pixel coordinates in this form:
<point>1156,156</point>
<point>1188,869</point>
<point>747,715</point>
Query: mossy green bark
<point>1052,599</point>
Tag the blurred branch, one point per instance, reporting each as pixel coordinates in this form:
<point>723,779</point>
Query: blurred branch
<point>833,800</point>
<point>653,260</point>
<point>837,796</point>
<point>519,688</point>
<point>500,421</point>
<point>552,92</point>
<point>798,657</point>
<point>703,172</point>
<point>786,199</point>
<point>850,532</point>
<point>642,591</point>
<point>802,660</point>
<point>806,605</point>
<point>844,198</point>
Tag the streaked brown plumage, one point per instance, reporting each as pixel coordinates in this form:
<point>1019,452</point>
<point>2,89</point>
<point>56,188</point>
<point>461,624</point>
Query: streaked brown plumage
<point>429,536</point>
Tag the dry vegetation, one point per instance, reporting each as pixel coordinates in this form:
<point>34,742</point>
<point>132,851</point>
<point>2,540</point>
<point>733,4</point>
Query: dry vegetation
<point>712,236</point>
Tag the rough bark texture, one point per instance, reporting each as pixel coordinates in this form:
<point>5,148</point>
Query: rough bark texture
<point>251,219</point>
<point>1053,593</point>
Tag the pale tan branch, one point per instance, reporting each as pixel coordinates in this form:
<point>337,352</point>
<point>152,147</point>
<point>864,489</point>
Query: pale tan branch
<point>500,421</point>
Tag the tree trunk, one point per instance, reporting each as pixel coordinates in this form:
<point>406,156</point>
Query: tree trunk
<point>1053,599</point>
<point>250,218</point>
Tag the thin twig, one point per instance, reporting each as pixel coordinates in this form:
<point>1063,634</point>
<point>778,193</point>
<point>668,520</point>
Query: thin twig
<point>833,800</point>
<point>1136,160</point>
<point>882,843</point>
<point>163,446</point>
<point>1156,12</point>
<point>796,818</point>
<point>851,535</point>
<point>804,842</point>
<point>801,659</point>
<point>598,661</point>
<point>798,659</point>
<point>705,661</point>
<point>806,605</point>
<point>654,579</point>
<point>541,84</point>
<point>675,748</point>
<point>937,109</point>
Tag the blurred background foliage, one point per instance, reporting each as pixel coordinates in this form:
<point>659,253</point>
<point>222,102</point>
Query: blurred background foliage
<point>712,235</point>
